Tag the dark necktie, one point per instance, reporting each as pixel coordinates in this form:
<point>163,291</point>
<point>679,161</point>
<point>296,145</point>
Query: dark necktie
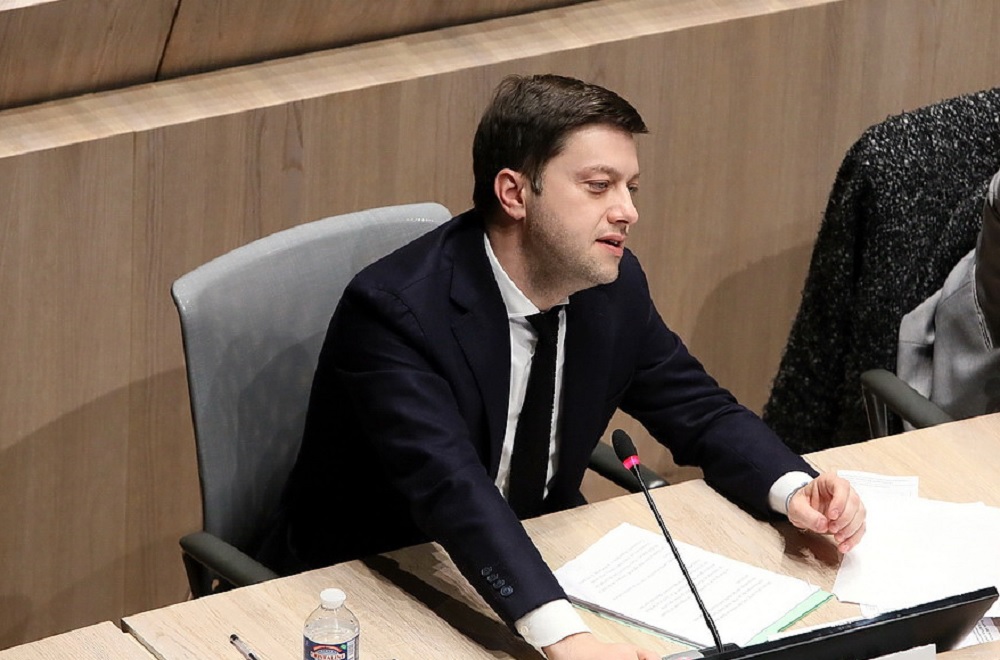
<point>530,457</point>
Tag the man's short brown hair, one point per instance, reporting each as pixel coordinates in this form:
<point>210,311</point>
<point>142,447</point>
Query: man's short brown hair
<point>527,124</point>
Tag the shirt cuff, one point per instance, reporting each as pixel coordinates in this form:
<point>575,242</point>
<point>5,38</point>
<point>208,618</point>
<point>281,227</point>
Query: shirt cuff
<point>783,489</point>
<point>550,623</point>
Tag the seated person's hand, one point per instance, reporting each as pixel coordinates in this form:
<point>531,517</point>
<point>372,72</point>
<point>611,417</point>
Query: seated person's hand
<point>829,505</point>
<point>585,646</point>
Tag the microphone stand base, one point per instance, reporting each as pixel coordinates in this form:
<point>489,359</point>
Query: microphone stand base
<point>694,654</point>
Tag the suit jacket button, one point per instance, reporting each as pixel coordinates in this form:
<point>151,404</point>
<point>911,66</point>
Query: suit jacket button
<point>506,591</point>
<point>498,584</point>
<point>486,571</point>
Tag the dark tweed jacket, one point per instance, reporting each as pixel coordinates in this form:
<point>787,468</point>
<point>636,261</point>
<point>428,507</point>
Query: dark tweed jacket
<point>904,208</point>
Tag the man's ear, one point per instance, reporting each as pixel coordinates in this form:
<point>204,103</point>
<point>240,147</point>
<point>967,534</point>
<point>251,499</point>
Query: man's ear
<point>509,186</point>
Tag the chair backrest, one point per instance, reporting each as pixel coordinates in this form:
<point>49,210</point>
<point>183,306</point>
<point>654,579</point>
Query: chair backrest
<point>253,322</point>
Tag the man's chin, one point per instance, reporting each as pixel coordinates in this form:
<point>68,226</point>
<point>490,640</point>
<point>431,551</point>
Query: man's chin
<point>607,277</point>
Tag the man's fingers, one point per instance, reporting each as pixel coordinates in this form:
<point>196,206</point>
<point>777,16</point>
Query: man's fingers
<point>851,531</point>
<point>852,541</point>
<point>804,516</point>
<point>852,514</point>
<point>829,505</point>
<point>837,492</point>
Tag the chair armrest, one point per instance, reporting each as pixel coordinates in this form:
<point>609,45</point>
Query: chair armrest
<point>604,462</point>
<point>885,392</point>
<point>214,558</point>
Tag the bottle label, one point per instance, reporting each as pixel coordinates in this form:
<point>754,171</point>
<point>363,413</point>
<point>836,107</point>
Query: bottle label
<point>344,651</point>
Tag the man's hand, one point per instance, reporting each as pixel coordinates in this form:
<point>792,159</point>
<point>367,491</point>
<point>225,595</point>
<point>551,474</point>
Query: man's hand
<point>584,646</point>
<point>828,505</point>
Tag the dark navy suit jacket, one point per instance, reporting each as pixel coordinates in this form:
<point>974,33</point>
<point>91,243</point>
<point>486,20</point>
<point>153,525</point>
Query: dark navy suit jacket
<point>409,406</point>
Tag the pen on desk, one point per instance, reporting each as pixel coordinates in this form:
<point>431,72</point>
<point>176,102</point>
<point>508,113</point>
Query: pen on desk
<point>242,647</point>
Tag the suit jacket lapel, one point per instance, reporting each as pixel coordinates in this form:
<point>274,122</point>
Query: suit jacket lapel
<point>481,328</point>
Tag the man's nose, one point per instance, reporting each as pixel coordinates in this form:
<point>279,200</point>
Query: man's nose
<point>625,211</point>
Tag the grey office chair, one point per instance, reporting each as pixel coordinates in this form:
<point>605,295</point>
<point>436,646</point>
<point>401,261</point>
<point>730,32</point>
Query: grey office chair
<point>253,322</point>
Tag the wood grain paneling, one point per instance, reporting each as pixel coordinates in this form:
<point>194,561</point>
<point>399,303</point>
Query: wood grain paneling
<point>98,642</point>
<point>751,103</point>
<point>212,34</point>
<point>65,274</point>
<point>52,49</point>
<point>57,48</point>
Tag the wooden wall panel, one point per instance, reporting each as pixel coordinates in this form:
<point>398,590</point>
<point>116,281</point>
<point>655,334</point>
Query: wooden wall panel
<point>212,34</point>
<point>65,273</point>
<point>57,48</point>
<point>52,49</point>
<point>751,107</point>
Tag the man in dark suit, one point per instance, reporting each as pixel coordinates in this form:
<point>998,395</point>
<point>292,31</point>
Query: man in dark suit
<point>425,378</point>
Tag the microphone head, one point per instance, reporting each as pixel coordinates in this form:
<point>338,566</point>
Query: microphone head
<point>624,447</point>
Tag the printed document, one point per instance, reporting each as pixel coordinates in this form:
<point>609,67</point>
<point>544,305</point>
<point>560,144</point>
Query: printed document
<point>631,574</point>
<point>869,484</point>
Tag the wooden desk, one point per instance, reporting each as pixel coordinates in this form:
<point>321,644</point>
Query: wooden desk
<point>97,642</point>
<point>436,607</point>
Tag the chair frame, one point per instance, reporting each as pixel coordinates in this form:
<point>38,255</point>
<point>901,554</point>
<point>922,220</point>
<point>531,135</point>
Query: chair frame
<point>890,403</point>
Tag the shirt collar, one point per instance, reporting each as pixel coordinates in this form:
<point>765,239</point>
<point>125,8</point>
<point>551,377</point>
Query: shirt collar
<point>518,305</point>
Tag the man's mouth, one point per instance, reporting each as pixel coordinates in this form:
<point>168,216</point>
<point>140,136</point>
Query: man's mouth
<point>614,241</point>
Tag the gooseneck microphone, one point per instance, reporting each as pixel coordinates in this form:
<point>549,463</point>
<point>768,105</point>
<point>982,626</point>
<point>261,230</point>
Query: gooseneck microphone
<point>625,450</point>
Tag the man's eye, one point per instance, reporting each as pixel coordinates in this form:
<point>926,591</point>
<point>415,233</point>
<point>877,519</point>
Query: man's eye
<point>633,189</point>
<point>598,186</point>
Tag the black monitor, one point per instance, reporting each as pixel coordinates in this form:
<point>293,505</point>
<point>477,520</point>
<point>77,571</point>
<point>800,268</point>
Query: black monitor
<point>943,623</point>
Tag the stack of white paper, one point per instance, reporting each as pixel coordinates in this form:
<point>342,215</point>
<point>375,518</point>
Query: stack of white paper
<point>917,550</point>
<point>631,573</point>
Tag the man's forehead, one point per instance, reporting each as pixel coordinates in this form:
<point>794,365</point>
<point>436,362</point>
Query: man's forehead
<point>599,143</point>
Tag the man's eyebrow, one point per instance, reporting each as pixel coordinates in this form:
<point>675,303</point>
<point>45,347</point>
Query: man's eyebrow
<point>604,169</point>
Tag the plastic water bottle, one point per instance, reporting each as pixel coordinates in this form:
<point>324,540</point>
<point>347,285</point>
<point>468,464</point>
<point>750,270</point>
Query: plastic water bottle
<point>331,631</point>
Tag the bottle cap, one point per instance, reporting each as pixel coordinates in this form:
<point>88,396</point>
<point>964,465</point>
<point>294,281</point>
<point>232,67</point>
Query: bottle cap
<point>332,598</point>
